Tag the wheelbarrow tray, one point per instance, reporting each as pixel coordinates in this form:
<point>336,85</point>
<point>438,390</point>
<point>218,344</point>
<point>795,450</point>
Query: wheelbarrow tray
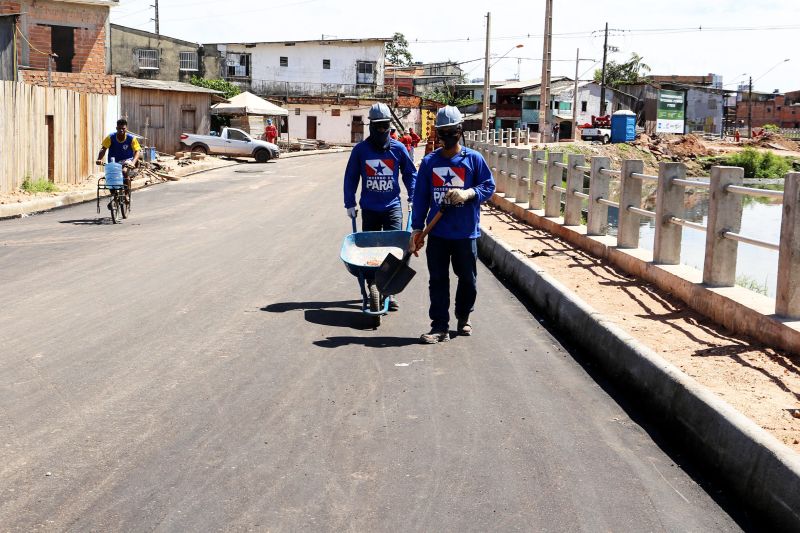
<point>363,252</point>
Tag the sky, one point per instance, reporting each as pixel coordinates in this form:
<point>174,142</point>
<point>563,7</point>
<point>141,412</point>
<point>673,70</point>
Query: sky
<point>733,38</point>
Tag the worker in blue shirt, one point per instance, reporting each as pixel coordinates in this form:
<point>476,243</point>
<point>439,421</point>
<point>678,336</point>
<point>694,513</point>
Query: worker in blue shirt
<point>376,163</point>
<point>459,179</point>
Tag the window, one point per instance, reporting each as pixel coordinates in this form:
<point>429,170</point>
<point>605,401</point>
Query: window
<point>336,112</point>
<point>529,104</point>
<point>236,135</point>
<point>284,61</point>
<point>188,61</point>
<point>153,115</point>
<point>62,43</point>
<point>365,72</point>
<point>584,105</point>
<point>296,110</point>
<point>238,65</point>
<point>619,106</point>
<point>769,110</point>
<point>326,64</point>
<point>147,59</point>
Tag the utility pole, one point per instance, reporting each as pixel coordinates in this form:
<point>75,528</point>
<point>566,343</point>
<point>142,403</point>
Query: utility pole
<point>156,19</point>
<point>750,110</point>
<point>603,77</point>
<point>486,85</point>
<point>575,97</point>
<point>544,99</point>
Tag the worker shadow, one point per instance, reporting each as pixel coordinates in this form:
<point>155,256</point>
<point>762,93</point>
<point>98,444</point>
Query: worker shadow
<point>338,314</point>
<point>88,221</point>
<point>368,342</point>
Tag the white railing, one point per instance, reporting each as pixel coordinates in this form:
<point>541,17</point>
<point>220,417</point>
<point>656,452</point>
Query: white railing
<point>535,178</point>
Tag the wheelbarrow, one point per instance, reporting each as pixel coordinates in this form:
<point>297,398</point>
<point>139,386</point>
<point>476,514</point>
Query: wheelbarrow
<point>362,254</point>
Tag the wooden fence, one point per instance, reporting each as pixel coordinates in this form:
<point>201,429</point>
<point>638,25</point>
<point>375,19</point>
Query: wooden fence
<point>48,134</point>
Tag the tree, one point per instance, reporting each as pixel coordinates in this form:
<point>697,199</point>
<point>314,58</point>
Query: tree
<point>228,89</point>
<point>620,73</point>
<point>446,95</point>
<point>397,51</point>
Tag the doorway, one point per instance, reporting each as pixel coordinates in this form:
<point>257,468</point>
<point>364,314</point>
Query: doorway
<point>62,43</point>
<point>51,149</point>
<point>311,127</point>
<point>357,129</point>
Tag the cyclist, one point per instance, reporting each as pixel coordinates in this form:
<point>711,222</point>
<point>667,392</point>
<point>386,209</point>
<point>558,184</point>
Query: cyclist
<point>123,148</point>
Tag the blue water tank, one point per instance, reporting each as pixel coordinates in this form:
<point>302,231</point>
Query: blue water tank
<point>623,126</point>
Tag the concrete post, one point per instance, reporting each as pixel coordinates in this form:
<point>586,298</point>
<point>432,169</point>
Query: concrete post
<point>724,214</point>
<point>508,137</point>
<point>511,168</point>
<point>573,204</point>
<point>669,203</point>
<point>518,137</point>
<point>630,194</point>
<point>523,175</point>
<point>500,135</point>
<point>502,173</point>
<point>787,303</point>
<point>597,223</point>
<point>555,176</point>
<point>537,175</point>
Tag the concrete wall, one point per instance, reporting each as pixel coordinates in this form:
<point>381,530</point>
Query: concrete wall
<point>703,111</point>
<point>125,43</point>
<point>305,61</point>
<point>329,128</point>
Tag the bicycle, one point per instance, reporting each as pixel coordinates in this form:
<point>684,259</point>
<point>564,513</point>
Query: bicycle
<point>119,197</point>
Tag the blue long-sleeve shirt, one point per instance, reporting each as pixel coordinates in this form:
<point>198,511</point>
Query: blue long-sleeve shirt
<point>378,172</point>
<point>437,175</point>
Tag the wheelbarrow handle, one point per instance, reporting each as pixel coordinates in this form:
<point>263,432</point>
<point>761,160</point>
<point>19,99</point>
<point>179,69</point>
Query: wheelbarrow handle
<point>355,228</point>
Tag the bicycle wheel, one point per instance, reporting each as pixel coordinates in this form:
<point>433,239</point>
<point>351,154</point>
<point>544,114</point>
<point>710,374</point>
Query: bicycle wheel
<point>113,206</point>
<point>123,206</point>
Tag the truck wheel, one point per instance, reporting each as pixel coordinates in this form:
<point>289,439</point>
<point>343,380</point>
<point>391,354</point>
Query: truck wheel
<point>200,149</point>
<point>605,139</point>
<point>262,156</point>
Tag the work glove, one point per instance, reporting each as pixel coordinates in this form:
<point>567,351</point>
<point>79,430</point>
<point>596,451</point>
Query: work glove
<point>459,196</point>
<point>351,212</point>
<point>416,242</point>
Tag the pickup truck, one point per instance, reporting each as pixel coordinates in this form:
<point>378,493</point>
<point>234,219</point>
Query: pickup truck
<point>596,134</point>
<point>231,142</point>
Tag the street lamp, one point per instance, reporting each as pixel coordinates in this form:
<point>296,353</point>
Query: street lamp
<point>504,55</point>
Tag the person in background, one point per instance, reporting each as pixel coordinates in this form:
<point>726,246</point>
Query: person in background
<point>123,148</point>
<point>408,142</point>
<point>556,131</point>
<point>459,179</point>
<point>376,162</point>
<point>270,132</point>
<point>393,133</point>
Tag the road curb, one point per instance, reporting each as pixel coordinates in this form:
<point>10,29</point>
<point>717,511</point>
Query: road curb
<point>763,471</point>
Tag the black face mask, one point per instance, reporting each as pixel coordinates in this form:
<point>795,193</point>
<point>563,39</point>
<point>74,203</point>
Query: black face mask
<point>378,139</point>
<point>450,140</point>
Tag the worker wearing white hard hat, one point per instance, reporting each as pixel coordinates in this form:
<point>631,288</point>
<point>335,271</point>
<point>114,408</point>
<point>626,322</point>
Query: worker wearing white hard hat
<point>376,163</point>
<point>455,180</point>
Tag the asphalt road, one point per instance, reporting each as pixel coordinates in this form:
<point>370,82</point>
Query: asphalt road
<point>205,366</point>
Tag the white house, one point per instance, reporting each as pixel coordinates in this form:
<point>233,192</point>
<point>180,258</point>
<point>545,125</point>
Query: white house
<point>349,66</point>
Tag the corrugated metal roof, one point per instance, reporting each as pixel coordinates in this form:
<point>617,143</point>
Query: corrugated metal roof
<point>556,87</point>
<point>521,84</point>
<point>319,41</point>
<point>158,85</point>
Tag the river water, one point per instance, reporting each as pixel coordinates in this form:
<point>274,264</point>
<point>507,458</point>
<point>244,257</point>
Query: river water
<point>754,264</point>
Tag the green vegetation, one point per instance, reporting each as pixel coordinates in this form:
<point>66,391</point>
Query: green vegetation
<point>632,71</point>
<point>228,89</point>
<point>751,284</point>
<point>760,165</point>
<point>774,128</point>
<point>397,51</point>
<point>40,185</point>
<point>447,96</point>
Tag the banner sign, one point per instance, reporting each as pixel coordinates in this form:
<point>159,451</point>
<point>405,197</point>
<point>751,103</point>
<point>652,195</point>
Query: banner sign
<point>671,115</point>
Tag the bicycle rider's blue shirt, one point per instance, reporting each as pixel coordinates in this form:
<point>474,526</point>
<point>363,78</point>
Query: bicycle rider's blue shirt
<point>378,171</point>
<point>121,151</point>
<point>437,175</point>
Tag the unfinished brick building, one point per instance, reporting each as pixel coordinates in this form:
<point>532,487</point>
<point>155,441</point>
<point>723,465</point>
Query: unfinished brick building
<point>62,43</point>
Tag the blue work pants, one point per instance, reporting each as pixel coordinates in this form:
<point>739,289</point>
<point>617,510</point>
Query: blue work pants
<point>391,219</point>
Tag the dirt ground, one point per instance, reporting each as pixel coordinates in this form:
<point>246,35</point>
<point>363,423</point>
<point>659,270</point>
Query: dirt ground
<point>762,383</point>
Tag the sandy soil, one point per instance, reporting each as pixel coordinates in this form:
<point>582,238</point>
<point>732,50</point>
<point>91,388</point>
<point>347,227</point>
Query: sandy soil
<point>762,383</point>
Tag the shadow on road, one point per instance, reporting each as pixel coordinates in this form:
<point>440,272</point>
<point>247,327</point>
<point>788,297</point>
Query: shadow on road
<point>341,314</point>
<point>370,342</point>
<point>283,307</point>
<point>87,221</point>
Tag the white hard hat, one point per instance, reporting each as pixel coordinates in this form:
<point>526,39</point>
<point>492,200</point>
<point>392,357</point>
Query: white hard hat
<point>448,116</point>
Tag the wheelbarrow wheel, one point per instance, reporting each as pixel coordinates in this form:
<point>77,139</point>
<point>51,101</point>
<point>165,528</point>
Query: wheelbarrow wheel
<point>375,304</point>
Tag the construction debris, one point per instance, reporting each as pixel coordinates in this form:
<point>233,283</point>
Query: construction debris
<point>672,147</point>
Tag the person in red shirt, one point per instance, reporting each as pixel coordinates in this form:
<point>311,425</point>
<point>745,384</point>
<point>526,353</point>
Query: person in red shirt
<point>408,143</point>
<point>393,133</point>
<point>270,132</point>
<point>414,137</point>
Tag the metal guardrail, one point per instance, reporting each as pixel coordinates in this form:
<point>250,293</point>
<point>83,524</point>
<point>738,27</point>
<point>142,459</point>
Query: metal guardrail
<point>531,182</point>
